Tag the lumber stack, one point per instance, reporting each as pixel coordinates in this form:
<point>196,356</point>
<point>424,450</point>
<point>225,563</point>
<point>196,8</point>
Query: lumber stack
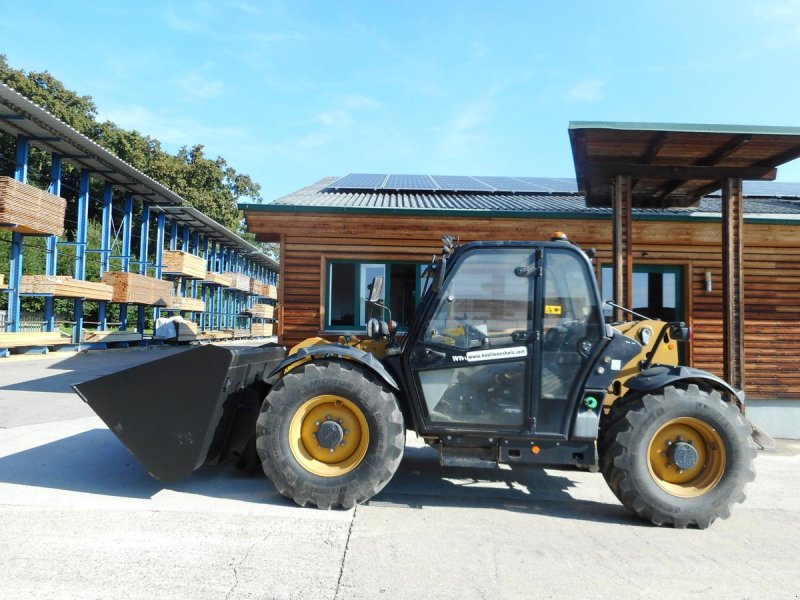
<point>38,338</point>
<point>269,291</point>
<point>262,311</point>
<point>133,288</point>
<point>178,262</point>
<point>221,279</point>
<point>192,304</point>
<point>64,287</point>
<point>239,281</point>
<point>100,337</point>
<point>30,210</point>
<point>224,334</point>
<point>2,281</point>
<point>186,331</point>
<point>262,329</point>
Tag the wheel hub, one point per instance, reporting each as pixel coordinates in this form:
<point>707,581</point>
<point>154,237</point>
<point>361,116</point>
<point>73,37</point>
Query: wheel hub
<point>683,455</point>
<point>330,435</point>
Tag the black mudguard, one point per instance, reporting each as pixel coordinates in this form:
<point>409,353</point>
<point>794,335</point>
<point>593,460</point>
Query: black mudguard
<point>336,351</point>
<point>179,412</point>
<point>658,377</point>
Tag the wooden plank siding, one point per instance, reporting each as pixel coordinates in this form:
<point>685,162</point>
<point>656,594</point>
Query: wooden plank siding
<point>771,273</point>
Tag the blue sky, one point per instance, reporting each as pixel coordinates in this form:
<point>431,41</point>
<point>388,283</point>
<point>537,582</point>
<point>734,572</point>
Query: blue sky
<point>290,92</point>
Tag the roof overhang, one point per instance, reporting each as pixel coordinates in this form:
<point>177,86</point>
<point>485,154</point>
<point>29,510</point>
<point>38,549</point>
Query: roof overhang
<point>20,116</point>
<point>674,165</point>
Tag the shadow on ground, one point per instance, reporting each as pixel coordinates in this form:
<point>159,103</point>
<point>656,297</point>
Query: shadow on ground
<point>95,462</point>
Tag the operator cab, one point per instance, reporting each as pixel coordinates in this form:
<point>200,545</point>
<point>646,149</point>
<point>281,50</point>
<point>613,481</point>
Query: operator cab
<point>506,342</point>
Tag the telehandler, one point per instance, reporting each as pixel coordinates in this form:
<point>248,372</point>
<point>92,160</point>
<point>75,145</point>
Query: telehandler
<point>509,361</point>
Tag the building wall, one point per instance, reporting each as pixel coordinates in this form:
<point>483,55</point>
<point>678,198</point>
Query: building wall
<point>771,263</point>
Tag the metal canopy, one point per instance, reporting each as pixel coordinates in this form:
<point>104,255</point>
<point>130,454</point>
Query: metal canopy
<point>20,116</point>
<point>197,221</point>
<point>674,165</point>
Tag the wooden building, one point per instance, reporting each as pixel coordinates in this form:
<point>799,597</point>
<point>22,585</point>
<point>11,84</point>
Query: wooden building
<point>334,239</point>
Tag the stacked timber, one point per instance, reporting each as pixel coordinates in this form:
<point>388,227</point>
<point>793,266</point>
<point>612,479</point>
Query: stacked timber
<point>262,311</point>
<point>133,288</point>
<point>262,329</point>
<point>270,291</point>
<point>38,338</point>
<point>30,210</point>
<point>223,334</point>
<point>256,286</point>
<point>2,281</point>
<point>64,287</point>
<point>192,304</point>
<point>107,337</point>
<point>178,262</point>
<point>186,331</point>
<point>239,281</point>
<point>221,279</point>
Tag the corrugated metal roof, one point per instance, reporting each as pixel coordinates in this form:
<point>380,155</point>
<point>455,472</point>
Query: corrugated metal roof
<point>320,196</point>
<point>20,116</point>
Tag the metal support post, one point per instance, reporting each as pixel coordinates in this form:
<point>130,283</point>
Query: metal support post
<point>17,255</point>
<point>51,260</point>
<point>161,223</point>
<point>144,239</point>
<point>127,230</point>
<point>105,249</point>
<point>81,239</point>
<point>14,281</point>
<point>173,235</point>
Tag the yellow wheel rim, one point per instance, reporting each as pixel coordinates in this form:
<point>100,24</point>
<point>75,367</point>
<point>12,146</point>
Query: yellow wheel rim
<point>673,471</point>
<point>334,414</point>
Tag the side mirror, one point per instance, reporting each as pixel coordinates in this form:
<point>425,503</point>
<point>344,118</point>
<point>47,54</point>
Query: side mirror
<point>375,289</point>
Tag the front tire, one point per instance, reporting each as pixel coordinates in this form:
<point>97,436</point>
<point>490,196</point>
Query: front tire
<point>679,458</point>
<point>330,434</point>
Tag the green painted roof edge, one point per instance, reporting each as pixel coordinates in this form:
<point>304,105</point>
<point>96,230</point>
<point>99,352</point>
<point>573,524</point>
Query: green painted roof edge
<point>477,214</point>
<point>686,127</point>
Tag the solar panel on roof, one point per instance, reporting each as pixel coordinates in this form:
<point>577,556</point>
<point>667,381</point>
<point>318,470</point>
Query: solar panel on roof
<point>360,181</point>
<point>771,189</point>
<point>552,184</point>
<point>460,183</point>
<point>509,184</point>
<point>410,182</point>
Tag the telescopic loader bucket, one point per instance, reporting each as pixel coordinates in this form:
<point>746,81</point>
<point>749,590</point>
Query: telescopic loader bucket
<point>179,412</point>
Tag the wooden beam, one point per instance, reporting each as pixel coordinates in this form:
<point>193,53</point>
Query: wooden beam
<point>686,173</point>
<point>654,148</point>
<point>733,356</point>
<point>622,203</point>
<point>725,150</point>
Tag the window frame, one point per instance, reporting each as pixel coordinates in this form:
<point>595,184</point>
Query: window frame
<point>359,304</point>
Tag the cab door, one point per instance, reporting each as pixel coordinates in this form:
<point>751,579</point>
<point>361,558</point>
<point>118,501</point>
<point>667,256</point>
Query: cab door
<point>471,359</point>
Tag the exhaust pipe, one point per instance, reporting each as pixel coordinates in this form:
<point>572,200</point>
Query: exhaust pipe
<point>192,408</point>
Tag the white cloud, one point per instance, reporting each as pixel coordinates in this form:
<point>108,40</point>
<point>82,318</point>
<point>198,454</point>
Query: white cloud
<point>588,90</point>
<point>179,21</point>
<point>342,112</point>
<point>463,130</point>
<point>170,129</point>
<point>194,84</point>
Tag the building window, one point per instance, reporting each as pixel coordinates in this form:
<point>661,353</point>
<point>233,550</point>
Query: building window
<point>348,289</point>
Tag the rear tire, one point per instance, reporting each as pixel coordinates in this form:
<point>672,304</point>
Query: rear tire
<point>679,458</point>
<point>330,434</point>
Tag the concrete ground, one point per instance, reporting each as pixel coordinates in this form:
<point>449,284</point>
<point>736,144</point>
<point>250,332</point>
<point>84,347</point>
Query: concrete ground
<point>81,519</point>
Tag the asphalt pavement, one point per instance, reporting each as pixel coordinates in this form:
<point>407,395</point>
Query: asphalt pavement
<point>80,518</point>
